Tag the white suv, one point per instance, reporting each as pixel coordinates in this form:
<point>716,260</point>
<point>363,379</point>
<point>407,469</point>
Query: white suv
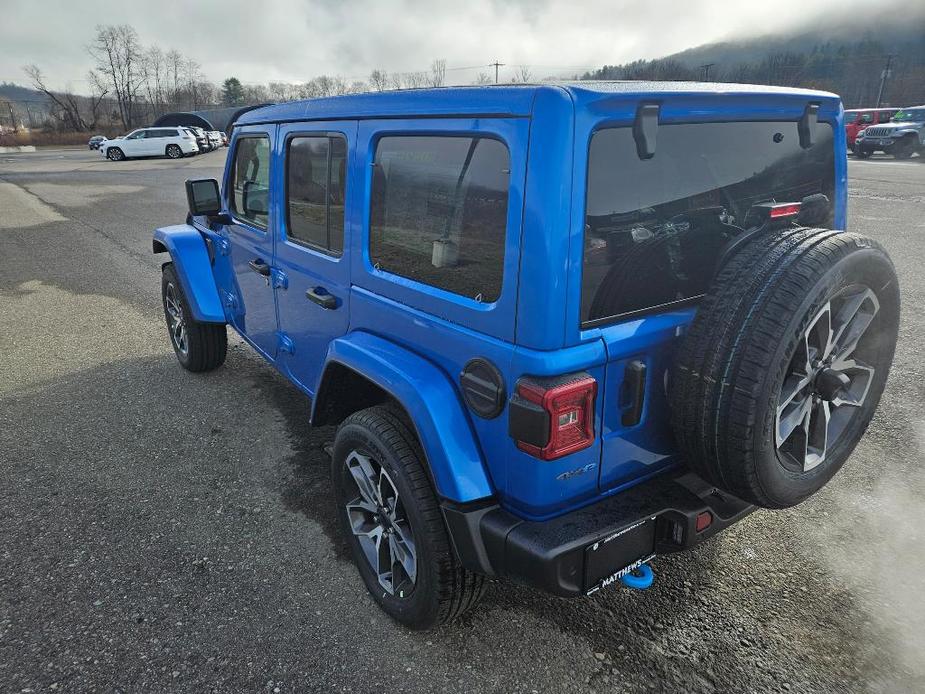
<point>151,142</point>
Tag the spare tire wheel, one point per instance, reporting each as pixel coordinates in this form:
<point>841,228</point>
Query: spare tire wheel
<point>784,363</point>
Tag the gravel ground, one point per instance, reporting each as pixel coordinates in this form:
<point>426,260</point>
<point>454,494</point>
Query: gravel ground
<point>162,531</point>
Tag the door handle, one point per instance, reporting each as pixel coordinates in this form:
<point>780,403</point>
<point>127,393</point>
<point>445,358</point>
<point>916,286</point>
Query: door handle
<point>321,297</point>
<point>260,267</point>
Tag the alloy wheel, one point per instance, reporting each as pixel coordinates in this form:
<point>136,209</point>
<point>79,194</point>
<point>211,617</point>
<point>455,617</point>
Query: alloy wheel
<point>175,319</point>
<point>378,520</point>
<point>827,381</point>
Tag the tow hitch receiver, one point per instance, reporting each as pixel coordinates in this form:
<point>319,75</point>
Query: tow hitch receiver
<point>639,578</point>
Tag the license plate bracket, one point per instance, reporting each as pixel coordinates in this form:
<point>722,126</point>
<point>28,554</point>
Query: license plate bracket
<point>615,555</point>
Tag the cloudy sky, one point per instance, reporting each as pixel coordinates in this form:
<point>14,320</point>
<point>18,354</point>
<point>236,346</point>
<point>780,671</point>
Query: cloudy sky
<point>295,40</point>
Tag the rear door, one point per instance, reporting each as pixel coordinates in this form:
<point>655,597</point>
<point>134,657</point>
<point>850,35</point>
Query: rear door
<point>249,241</point>
<point>313,289</point>
<point>154,142</point>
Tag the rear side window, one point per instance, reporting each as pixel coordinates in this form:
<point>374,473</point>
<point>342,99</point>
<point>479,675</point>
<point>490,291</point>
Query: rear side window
<point>250,180</point>
<point>316,174</point>
<point>438,212</point>
<point>655,229</point>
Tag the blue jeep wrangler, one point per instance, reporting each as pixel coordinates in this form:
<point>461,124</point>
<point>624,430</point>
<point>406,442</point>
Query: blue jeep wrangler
<point>561,329</point>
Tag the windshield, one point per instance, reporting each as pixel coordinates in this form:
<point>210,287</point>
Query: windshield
<point>912,115</point>
<point>655,228</point>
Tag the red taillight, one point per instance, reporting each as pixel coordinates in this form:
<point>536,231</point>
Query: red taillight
<point>704,520</point>
<point>551,418</point>
<point>790,209</point>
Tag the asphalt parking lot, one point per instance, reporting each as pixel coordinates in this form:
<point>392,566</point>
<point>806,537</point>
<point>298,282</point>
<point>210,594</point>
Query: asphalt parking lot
<point>161,530</point>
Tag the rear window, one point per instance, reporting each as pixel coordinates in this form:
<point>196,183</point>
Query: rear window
<point>438,212</point>
<point>655,228</point>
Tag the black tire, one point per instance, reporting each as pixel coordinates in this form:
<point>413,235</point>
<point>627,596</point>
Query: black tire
<point>174,152</point>
<point>862,154</point>
<point>441,590</point>
<point>206,344</point>
<point>115,154</point>
<point>904,148</point>
<point>728,377</point>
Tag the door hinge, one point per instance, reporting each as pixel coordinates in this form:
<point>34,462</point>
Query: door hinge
<point>231,301</point>
<point>285,343</point>
<point>280,279</point>
<point>224,246</point>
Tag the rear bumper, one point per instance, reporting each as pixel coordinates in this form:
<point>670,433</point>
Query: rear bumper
<point>578,552</point>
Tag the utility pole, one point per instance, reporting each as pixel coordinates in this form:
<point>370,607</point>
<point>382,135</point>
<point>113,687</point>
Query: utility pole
<point>705,71</point>
<point>887,72</point>
<point>496,65</point>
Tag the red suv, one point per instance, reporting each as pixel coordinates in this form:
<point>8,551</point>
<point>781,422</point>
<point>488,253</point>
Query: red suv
<point>859,118</point>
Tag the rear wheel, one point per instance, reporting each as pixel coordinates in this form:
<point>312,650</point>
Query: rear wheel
<point>393,523</point>
<point>174,151</point>
<point>785,362</point>
<point>198,346</point>
<point>115,154</point>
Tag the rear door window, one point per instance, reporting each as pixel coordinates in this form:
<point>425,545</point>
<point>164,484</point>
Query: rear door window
<point>656,228</point>
<point>316,174</point>
<point>250,180</point>
<point>438,212</point>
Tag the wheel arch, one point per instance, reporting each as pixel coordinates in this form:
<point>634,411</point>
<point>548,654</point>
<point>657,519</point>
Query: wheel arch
<point>362,370</point>
<point>190,257</point>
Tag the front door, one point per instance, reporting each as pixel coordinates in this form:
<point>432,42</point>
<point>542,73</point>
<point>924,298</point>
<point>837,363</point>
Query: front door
<point>313,292</point>
<point>250,241</point>
<point>134,144</point>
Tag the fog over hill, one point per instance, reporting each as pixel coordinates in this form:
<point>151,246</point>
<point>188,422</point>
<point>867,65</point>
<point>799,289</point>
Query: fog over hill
<point>845,55</point>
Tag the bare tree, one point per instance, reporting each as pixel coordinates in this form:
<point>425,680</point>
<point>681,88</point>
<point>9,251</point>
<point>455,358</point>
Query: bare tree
<point>65,106</point>
<point>99,90</point>
<point>438,73</point>
<point>524,74</point>
<point>192,77</point>
<point>413,80</point>
<point>175,61</point>
<point>283,91</point>
<point>154,74</point>
<point>483,78</point>
<point>256,94</point>
<point>119,59</point>
<point>379,80</point>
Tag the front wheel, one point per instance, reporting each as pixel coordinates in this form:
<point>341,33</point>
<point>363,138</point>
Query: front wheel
<point>115,154</point>
<point>861,153</point>
<point>904,149</point>
<point>174,151</point>
<point>198,346</point>
<point>393,523</point>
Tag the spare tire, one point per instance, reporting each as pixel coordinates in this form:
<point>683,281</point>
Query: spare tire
<point>784,363</point>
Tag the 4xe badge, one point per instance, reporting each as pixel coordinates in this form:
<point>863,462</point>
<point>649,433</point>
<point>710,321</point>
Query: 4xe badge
<point>577,471</point>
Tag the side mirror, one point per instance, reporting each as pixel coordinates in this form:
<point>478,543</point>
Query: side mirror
<point>203,197</point>
<point>254,199</point>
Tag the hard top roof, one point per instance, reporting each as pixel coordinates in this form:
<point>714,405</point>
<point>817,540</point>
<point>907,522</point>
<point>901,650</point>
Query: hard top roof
<point>494,100</point>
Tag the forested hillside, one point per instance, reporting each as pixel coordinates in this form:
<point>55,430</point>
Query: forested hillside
<point>847,58</point>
